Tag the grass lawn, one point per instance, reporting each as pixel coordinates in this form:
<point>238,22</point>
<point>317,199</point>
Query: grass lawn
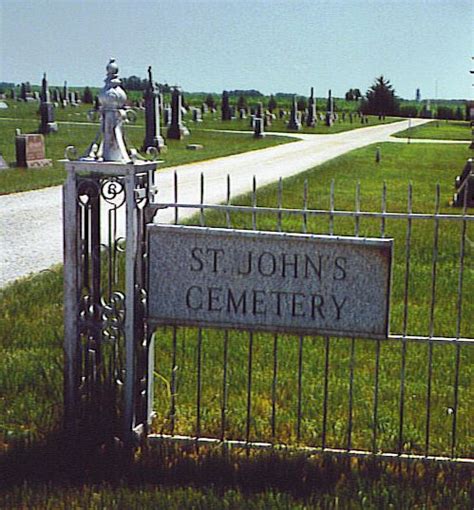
<point>81,135</point>
<point>31,374</point>
<point>213,121</point>
<point>439,130</point>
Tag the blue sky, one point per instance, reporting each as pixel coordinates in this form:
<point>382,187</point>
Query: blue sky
<point>269,45</point>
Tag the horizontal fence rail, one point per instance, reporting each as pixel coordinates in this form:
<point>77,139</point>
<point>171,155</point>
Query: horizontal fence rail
<point>406,397</point>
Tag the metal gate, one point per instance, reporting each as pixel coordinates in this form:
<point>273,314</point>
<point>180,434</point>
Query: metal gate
<point>408,396</point>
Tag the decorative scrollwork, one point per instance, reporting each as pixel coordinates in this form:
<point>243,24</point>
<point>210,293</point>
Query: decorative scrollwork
<point>70,153</point>
<point>113,316</point>
<point>152,153</point>
<point>131,116</point>
<point>113,192</point>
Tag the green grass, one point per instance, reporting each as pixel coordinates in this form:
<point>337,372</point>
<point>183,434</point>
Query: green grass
<point>401,164</point>
<point>213,121</point>
<point>31,374</point>
<point>439,130</point>
<point>81,135</point>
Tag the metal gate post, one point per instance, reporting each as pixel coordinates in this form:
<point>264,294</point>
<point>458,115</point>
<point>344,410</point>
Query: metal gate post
<point>107,345</point>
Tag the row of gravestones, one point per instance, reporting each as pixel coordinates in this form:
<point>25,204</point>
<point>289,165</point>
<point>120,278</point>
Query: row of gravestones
<point>59,98</point>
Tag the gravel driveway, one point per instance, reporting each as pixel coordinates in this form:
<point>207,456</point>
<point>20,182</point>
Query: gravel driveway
<point>31,222</point>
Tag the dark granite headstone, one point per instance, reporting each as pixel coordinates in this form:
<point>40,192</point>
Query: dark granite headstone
<point>329,110</point>
<point>177,129</point>
<point>294,122</point>
<point>46,110</point>
<point>153,136</point>
<point>311,117</point>
<point>259,130</point>
<point>226,113</point>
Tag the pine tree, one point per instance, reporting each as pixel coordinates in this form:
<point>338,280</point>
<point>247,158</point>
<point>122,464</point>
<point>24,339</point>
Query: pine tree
<point>87,96</point>
<point>210,101</point>
<point>381,99</point>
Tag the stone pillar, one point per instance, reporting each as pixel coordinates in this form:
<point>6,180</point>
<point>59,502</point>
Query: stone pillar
<point>177,129</point>
<point>294,123</point>
<point>259,122</point>
<point>47,124</point>
<point>311,118</point>
<point>329,110</point>
<point>226,113</point>
<point>153,136</point>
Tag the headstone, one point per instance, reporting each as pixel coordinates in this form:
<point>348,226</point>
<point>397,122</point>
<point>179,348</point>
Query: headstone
<point>258,129</point>
<point>243,113</point>
<point>204,108</point>
<point>37,96</point>
<point>30,151</point>
<point>196,115</point>
<point>13,94</point>
<point>311,118</point>
<point>194,146</point>
<point>47,124</point>
<point>3,164</point>
<point>464,183</point>
<point>167,115</point>
<point>351,118</point>
<point>294,122</point>
<point>281,113</point>
<point>3,105</point>
<point>329,110</point>
<point>153,136</point>
<point>177,129</point>
<point>226,113</point>
<point>65,95</point>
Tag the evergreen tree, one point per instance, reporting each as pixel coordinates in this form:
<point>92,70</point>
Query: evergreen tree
<point>210,101</point>
<point>87,96</point>
<point>381,99</point>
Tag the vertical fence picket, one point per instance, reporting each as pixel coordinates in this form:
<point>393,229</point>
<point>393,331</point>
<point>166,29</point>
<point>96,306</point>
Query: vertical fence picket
<point>176,209</point>
<point>300,389</point>
<point>434,265</point>
<point>326,389</point>
<point>459,304</point>
<point>249,389</point>
<point>375,410</point>
<point>174,369</point>
<point>405,320</point>
<point>351,395</point>
<point>224,386</point>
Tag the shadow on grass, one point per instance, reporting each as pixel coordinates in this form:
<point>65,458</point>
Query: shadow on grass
<point>63,462</point>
